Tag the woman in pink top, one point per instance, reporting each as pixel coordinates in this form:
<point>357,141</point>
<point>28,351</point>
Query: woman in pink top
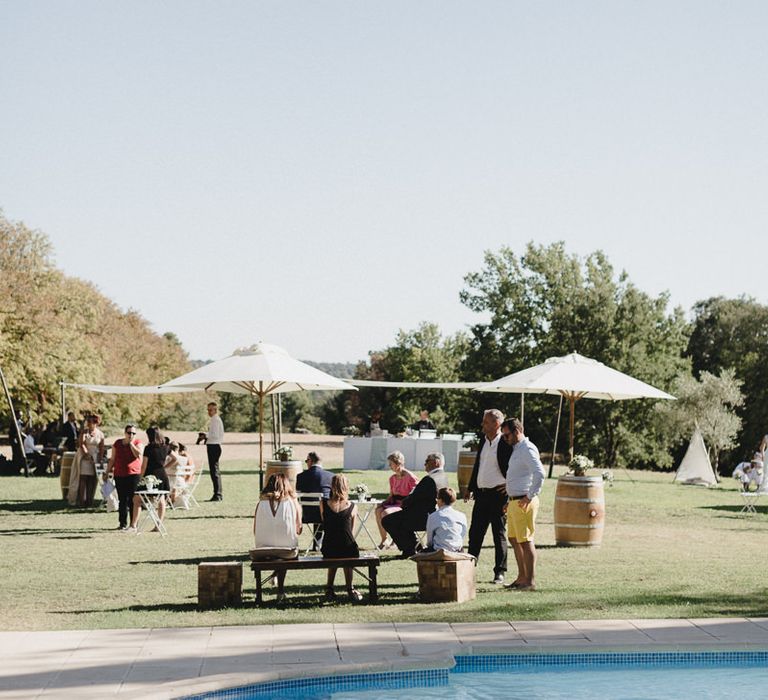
<point>401,483</point>
<point>125,462</point>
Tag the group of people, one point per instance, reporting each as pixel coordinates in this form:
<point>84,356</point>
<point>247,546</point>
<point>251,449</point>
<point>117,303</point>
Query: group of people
<point>505,484</point>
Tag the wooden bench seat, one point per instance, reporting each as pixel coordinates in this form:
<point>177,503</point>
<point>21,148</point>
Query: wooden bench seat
<point>357,563</point>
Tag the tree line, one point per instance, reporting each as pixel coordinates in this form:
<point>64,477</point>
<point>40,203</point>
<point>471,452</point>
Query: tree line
<point>536,302</point>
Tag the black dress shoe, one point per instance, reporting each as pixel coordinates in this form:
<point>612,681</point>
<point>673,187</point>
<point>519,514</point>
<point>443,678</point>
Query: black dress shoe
<point>215,498</point>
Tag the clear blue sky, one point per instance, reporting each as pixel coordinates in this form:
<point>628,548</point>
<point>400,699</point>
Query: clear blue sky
<point>320,174</point>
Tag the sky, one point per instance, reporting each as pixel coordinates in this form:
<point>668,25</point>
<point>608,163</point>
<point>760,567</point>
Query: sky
<point>319,175</point>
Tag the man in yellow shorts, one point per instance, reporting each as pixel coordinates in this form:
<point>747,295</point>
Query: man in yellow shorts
<point>525,477</point>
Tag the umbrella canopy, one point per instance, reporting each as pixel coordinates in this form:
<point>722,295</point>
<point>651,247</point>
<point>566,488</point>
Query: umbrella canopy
<point>259,370</point>
<point>575,377</point>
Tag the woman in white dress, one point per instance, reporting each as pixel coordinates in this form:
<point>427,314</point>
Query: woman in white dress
<point>90,451</point>
<point>277,523</point>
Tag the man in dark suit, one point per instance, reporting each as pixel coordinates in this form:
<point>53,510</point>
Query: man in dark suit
<point>69,431</point>
<point>487,486</point>
<point>314,479</point>
<point>403,524</point>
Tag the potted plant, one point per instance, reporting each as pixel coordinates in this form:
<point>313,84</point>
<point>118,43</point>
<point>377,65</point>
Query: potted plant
<point>579,505</point>
<point>362,492</point>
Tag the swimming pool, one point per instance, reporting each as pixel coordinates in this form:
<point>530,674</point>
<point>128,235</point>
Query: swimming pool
<point>576,676</point>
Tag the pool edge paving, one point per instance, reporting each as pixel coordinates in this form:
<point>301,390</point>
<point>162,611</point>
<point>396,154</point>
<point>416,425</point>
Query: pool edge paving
<point>171,663</point>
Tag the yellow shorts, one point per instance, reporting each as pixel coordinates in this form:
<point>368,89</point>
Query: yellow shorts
<point>521,524</point>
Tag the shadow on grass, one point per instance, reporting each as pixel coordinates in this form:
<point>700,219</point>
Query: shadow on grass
<point>737,509</point>
<point>193,560</point>
<point>78,534</point>
<point>42,507</point>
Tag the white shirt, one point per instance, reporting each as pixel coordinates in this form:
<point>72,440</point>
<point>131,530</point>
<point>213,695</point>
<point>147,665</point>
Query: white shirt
<point>526,472</point>
<point>29,445</point>
<point>489,475</point>
<point>215,430</point>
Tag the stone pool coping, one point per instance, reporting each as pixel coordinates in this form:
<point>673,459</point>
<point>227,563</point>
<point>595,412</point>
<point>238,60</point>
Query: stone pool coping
<point>172,662</point>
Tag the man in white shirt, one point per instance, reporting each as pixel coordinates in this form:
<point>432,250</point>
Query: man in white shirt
<point>213,447</point>
<point>487,486</point>
<point>525,477</point>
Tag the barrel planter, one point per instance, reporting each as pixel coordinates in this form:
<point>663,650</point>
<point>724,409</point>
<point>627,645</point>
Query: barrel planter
<point>290,469</point>
<point>66,472</point>
<point>464,470</point>
<point>579,511</point>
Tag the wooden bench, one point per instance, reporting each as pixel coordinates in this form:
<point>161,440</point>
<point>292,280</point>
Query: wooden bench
<point>370,562</point>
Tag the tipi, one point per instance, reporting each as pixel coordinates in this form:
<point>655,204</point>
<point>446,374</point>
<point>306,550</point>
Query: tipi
<point>695,467</point>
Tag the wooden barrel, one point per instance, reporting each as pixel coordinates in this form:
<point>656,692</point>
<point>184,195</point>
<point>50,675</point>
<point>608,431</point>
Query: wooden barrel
<point>579,511</point>
<point>464,470</point>
<point>66,471</point>
<point>290,469</point>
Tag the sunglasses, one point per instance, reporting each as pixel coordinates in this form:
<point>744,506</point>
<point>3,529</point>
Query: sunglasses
<point>128,432</point>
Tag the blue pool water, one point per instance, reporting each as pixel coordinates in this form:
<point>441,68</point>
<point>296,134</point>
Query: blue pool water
<point>625,676</point>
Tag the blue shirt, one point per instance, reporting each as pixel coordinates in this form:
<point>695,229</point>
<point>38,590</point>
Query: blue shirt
<point>526,472</point>
<point>446,529</point>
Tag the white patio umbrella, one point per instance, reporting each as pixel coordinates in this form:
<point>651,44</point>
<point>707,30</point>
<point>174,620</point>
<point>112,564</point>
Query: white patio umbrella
<point>259,370</point>
<point>575,377</point>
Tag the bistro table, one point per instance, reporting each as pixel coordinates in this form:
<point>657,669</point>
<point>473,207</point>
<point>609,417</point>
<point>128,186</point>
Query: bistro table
<point>149,505</point>
<point>364,511</point>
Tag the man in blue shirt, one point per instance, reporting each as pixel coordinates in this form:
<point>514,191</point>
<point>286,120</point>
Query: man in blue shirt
<point>314,479</point>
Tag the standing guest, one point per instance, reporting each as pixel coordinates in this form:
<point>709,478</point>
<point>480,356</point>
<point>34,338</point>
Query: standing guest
<point>373,426</point>
<point>525,477</point>
<point>401,483</point>
<point>277,523</point>
<point>487,486</point>
<point>213,446</point>
<point>82,481</point>
<point>339,516</point>
<point>314,479</point>
<point>415,509</point>
<point>446,527</point>
<point>125,463</point>
<point>70,431</point>
<point>153,464</point>
<point>423,423</point>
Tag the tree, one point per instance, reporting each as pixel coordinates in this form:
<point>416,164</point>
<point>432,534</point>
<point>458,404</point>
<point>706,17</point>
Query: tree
<point>546,303</point>
<point>708,402</point>
<point>733,333</point>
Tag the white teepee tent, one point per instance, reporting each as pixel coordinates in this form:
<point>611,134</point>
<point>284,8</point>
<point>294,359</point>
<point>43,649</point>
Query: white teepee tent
<point>695,467</point>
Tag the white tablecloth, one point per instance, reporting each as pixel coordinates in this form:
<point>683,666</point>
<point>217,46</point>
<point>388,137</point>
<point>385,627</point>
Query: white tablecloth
<point>371,453</point>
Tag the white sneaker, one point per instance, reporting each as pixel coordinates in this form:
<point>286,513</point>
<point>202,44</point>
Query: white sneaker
<point>130,530</point>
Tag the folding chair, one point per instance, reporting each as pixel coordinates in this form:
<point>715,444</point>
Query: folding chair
<point>311,500</point>
<point>183,478</point>
<point>750,497</point>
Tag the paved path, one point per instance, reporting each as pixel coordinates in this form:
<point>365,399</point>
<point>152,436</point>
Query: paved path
<point>166,663</point>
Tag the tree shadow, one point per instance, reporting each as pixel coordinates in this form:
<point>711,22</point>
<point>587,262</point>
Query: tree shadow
<point>41,507</point>
<point>737,509</point>
<point>81,533</point>
<point>191,561</point>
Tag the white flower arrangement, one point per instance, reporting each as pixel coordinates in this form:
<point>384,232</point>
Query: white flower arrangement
<point>579,464</point>
<point>362,491</point>
<point>150,482</point>
<point>608,476</point>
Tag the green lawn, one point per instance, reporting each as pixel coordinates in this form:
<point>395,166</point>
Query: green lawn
<point>669,551</point>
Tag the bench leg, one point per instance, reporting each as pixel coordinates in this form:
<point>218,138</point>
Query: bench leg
<point>373,589</point>
<point>258,587</point>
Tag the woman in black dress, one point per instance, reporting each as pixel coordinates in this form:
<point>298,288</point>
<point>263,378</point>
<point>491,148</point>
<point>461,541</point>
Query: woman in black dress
<point>339,516</point>
<point>153,463</point>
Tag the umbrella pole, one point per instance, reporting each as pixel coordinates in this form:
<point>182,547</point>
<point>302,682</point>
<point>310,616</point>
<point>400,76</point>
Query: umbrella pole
<point>572,399</point>
<point>261,441</point>
<point>557,432</point>
<point>522,409</point>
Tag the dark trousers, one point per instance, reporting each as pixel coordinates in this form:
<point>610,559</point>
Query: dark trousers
<point>489,510</point>
<point>402,527</point>
<point>214,453</point>
<point>125,487</point>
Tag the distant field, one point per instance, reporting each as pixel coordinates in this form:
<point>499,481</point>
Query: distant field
<point>669,551</point>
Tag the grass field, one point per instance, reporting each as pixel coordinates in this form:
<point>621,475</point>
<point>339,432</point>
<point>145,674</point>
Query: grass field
<point>669,551</point>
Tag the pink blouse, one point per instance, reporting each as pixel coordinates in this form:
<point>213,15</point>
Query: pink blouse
<point>401,486</point>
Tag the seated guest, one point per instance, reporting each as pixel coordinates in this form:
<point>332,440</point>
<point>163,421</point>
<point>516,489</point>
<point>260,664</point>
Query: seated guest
<point>178,457</point>
<point>32,453</point>
<point>314,479</point>
<point>747,473</point>
<point>402,525</point>
<point>446,527</point>
<point>339,517</point>
<point>277,522</point>
<point>401,483</point>
<point>423,423</point>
